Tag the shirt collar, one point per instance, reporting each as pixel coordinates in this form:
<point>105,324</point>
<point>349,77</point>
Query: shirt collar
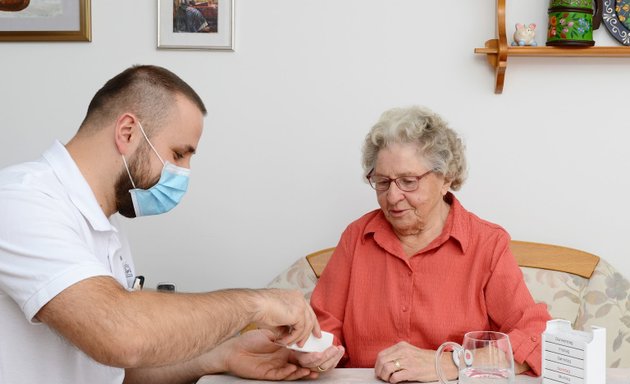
<point>76,186</point>
<point>455,227</point>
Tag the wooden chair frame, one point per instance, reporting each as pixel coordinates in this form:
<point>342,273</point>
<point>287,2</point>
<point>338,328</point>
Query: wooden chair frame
<point>527,254</point>
<point>554,257</point>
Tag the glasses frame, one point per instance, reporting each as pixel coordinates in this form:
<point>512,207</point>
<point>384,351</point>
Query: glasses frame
<point>396,181</point>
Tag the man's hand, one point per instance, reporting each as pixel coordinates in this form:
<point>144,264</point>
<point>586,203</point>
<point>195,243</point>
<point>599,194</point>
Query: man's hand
<point>288,314</point>
<point>254,355</point>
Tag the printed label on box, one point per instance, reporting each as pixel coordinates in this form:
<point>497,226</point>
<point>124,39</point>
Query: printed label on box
<point>564,359</point>
<point>562,350</point>
<point>566,341</point>
<point>565,369</point>
<point>552,377</point>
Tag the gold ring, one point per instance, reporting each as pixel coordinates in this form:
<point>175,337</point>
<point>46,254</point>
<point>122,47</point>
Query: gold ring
<point>320,369</point>
<point>397,365</point>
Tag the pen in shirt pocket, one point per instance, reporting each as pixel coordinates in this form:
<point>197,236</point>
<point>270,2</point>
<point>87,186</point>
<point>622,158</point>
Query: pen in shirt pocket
<point>138,283</point>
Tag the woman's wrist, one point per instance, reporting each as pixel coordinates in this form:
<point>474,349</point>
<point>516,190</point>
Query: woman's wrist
<point>449,367</point>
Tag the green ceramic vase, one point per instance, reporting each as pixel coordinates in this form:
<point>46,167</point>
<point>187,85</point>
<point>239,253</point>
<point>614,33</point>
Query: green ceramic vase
<point>571,22</point>
<point>586,4</point>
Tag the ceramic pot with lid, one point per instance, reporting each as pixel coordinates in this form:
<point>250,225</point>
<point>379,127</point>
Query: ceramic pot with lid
<point>571,22</point>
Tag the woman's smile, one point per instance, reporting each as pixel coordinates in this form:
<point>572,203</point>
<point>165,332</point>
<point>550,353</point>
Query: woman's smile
<point>397,213</point>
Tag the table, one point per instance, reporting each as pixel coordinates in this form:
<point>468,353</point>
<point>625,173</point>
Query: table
<point>366,376</point>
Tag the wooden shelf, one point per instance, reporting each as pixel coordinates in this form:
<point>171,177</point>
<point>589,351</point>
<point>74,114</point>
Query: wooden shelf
<point>557,51</point>
<point>497,50</point>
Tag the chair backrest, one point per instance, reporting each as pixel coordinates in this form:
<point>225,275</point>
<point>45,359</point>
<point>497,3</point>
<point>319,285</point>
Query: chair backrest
<point>556,276</point>
<point>527,254</point>
<point>318,260</point>
<point>554,258</point>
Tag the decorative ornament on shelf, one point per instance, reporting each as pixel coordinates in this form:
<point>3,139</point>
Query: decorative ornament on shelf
<point>524,35</point>
<point>572,22</point>
<point>616,17</point>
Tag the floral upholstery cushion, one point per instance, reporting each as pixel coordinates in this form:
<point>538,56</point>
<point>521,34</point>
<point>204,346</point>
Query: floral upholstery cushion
<point>603,300</point>
<point>606,303</point>
<point>299,275</point>
<point>561,291</point>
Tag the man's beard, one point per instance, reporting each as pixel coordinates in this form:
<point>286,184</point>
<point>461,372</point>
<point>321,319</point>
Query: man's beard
<point>140,172</point>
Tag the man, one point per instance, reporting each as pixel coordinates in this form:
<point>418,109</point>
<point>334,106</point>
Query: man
<point>68,313</point>
<point>187,18</point>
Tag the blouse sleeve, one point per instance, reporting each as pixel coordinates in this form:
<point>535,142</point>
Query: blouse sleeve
<point>516,313</point>
<point>331,292</point>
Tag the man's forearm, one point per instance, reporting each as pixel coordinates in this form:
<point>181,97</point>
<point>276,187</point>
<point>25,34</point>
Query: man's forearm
<point>194,324</point>
<point>133,329</point>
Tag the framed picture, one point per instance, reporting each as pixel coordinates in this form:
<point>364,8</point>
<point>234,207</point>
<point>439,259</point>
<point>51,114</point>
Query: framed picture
<point>45,20</point>
<point>196,24</point>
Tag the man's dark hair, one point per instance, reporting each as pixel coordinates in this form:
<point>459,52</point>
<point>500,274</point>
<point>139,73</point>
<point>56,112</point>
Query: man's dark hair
<point>148,91</point>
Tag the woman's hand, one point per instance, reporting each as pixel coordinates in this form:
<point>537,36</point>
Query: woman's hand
<point>320,361</point>
<point>404,362</point>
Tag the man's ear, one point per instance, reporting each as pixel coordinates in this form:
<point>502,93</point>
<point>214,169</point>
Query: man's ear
<point>126,133</point>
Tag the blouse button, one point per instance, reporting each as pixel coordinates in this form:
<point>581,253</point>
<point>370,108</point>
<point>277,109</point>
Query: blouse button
<point>534,338</point>
<point>404,308</point>
<point>410,273</point>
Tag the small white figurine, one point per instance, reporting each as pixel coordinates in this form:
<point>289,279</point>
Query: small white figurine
<point>524,35</point>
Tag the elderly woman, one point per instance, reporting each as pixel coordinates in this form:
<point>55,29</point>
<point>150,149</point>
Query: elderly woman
<point>421,270</point>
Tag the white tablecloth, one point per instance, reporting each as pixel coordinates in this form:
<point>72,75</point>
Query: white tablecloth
<point>366,375</point>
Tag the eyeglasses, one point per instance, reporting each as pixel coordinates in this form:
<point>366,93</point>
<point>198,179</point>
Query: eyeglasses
<point>404,183</point>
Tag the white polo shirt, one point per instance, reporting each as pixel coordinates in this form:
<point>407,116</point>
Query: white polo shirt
<point>53,234</point>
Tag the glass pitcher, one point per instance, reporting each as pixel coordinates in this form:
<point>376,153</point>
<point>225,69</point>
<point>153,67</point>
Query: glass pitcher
<point>483,357</point>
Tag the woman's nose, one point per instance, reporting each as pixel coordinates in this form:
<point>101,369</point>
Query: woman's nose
<point>394,194</point>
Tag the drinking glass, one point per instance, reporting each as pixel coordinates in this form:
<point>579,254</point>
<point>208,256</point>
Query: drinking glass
<point>484,357</point>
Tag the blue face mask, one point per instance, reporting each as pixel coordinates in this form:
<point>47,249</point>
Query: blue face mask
<point>163,196</point>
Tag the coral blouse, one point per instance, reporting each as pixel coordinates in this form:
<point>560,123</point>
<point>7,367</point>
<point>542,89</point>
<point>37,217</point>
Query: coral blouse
<point>372,296</point>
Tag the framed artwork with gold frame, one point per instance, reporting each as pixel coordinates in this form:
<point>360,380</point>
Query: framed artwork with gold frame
<point>45,20</point>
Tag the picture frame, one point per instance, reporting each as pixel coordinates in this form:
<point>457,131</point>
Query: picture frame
<point>196,24</point>
<point>45,20</point>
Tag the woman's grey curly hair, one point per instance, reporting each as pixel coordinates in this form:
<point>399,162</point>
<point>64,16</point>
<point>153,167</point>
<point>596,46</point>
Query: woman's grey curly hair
<point>437,144</point>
